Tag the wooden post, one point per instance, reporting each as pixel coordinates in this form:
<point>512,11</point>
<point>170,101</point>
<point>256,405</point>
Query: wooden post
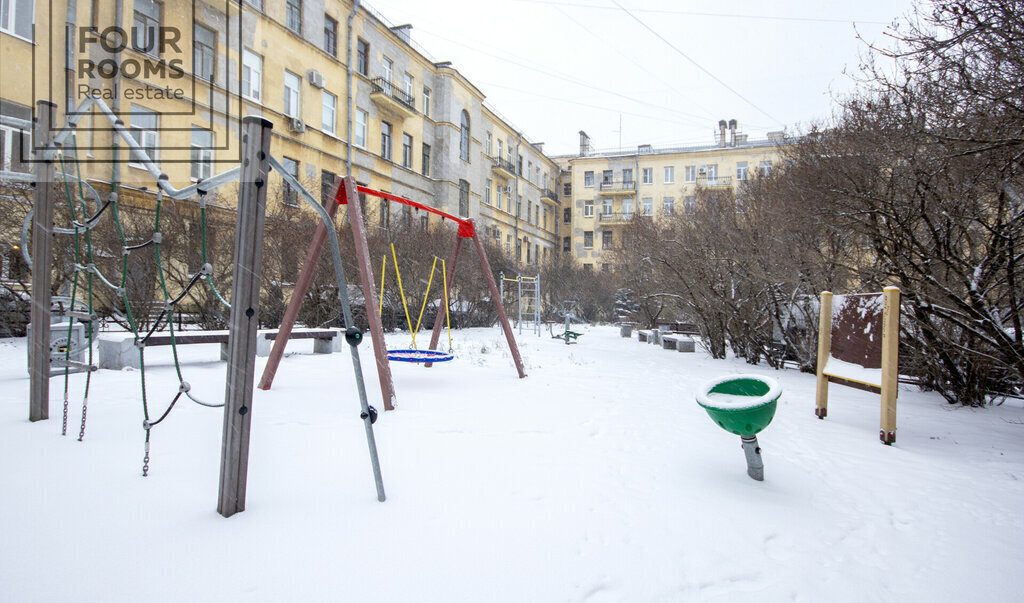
<point>298,294</point>
<point>42,258</point>
<point>380,351</point>
<point>439,319</point>
<point>824,347</point>
<point>495,296</point>
<point>243,323</point>
<point>890,363</point>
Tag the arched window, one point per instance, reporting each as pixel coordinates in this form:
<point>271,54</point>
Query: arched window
<point>463,198</point>
<point>464,137</point>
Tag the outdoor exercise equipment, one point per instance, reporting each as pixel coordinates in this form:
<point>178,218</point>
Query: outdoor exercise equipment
<point>412,354</point>
<point>743,405</point>
<point>568,335</point>
<point>51,146</point>
<point>348,194</point>
<point>527,299</point>
<point>858,346</point>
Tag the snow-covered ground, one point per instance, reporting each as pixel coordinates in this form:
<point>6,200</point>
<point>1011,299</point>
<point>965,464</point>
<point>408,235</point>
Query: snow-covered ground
<point>597,478</point>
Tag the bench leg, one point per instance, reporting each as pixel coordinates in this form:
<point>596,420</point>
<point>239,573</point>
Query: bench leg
<point>117,355</point>
<point>224,352</point>
<point>327,345</point>
<point>263,345</point>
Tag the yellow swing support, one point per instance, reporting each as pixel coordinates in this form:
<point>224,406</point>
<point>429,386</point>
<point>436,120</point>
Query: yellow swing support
<point>426,295</point>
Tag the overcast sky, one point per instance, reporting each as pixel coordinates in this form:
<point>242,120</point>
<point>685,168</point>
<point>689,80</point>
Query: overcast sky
<point>670,68</point>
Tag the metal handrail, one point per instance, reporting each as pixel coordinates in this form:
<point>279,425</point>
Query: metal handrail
<point>384,86</point>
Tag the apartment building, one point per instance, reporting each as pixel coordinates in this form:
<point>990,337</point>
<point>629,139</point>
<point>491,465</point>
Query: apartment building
<point>346,90</point>
<point>605,191</point>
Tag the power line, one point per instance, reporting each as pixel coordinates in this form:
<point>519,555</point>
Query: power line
<point>696,64</point>
<point>708,14</point>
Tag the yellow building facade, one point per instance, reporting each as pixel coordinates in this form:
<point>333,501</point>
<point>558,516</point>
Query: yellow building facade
<point>605,191</point>
<point>347,92</point>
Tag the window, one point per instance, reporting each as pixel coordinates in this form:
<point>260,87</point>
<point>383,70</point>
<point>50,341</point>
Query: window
<point>648,206</point>
<point>387,69</point>
<point>16,17</point>
<point>670,175</point>
<point>407,85</point>
<point>508,244</point>
<point>648,175</point>
<point>690,205</point>
<point>606,207</point>
<point>293,15</point>
<point>498,154</point>
<point>741,202</point>
<point>204,54</point>
<point>588,179</point>
<point>487,147</point>
<point>330,36</point>
<point>202,153</point>
<point>384,215</point>
<point>519,165</point>
<point>360,134</point>
<point>363,57</point>
<point>627,209</point>
<point>588,209</point>
<point>144,127</point>
<point>330,109</point>
<point>765,169</point>
<point>519,206</point>
<point>15,148</point>
<point>385,140</point>
<point>145,26</point>
<point>406,150</point>
<point>668,205</point>
<point>606,239</point>
<point>627,177</point>
<point>326,187</point>
<point>426,101</point>
<point>606,267</point>
<point>741,170</point>
<point>464,137</point>
<point>529,211</point>
<point>292,103</point>
<point>711,173</point>
<point>463,198</point>
<point>567,189</point>
<point>690,173</point>
<point>588,239</point>
<point>607,177</point>
<point>252,74</point>
<point>425,167</point>
<point>588,267</point>
<point>487,192</point>
<point>567,215</point>
<point>290,196</point>
<point>566,244</point>
<point>257,3</point>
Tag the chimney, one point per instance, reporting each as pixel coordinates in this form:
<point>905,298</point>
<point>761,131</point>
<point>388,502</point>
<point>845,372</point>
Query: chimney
<point>732,132</point>
<point>721,132</point>
<point>584,144</point>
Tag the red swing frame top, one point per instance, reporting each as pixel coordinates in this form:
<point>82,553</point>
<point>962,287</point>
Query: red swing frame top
<point>466,230</point>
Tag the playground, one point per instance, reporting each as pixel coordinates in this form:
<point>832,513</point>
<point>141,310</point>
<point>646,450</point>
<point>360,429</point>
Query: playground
<point>597,478</point>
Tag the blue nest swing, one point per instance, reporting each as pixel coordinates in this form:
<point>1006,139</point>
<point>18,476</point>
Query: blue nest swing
<point>419,356</point>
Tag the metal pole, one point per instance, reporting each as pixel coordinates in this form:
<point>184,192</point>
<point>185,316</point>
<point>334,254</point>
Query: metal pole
<point>519,303</point>
<point>42,258</point>
<point>298,294</point>
<point>492,288</point>
<point>245,301</point>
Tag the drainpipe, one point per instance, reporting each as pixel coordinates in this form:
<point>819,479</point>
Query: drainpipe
<point>115,103</point>
<point>348,94</point>
<point>516,167</point>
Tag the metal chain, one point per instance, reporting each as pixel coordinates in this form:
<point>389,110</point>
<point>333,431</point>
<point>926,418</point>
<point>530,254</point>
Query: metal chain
<point>85,409</point>
<point>145,459</point>
<point>64,423</point>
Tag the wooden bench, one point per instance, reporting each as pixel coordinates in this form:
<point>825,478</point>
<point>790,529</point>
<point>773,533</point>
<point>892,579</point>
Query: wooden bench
<point>118,351</point>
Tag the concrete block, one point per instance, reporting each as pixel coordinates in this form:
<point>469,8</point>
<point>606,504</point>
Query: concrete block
<point>263,345</point>
<point>329,345</point>
<point>685,344</point>
<point>626,330</point>
<point>655,337</point>
<point>224,352</point>
<point>668,343</point>
<point>117,352</point>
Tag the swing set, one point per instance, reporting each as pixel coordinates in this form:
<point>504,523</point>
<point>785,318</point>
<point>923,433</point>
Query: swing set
<point>347,193</point>
<point>414,355</point>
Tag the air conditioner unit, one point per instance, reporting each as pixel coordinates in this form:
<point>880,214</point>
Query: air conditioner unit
<point>702,171</point>
<point>297,125</point>
<point>315,78</point>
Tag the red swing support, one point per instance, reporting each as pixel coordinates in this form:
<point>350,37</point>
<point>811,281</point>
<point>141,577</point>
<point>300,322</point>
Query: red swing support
<point>347,193</point>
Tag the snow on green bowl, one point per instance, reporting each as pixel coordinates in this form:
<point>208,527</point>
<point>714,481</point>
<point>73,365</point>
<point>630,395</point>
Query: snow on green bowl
<point>741,404</point>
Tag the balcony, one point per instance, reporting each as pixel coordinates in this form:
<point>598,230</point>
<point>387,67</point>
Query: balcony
<point>550,195</point>
<point>391,99</point>
<point>618,188</point>
<point>504,167</point>
<point>714,182</point>
<point>616,218</point>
